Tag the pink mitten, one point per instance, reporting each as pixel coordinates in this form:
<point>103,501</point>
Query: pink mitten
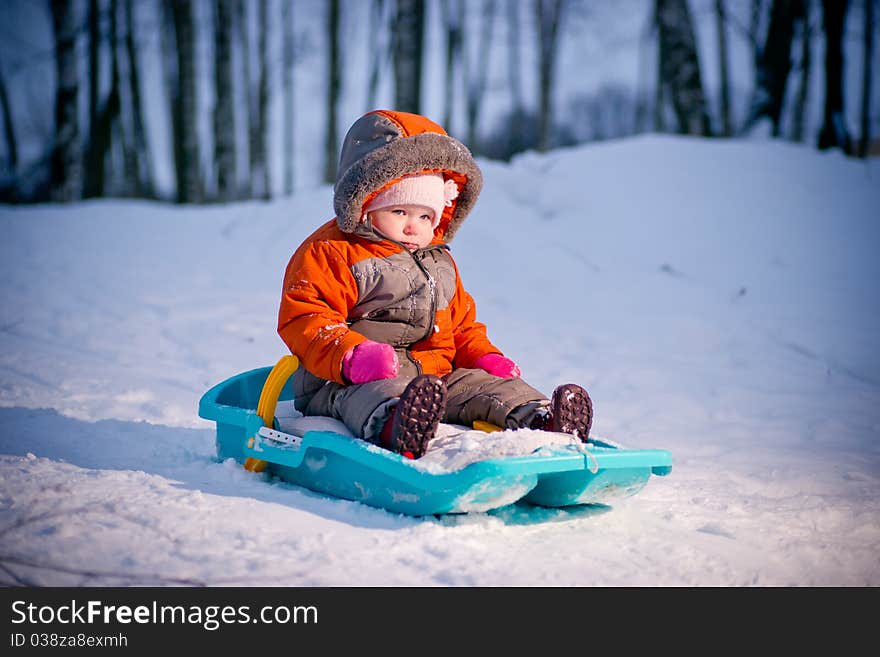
<point>370,361</point>
<point>498,365</point>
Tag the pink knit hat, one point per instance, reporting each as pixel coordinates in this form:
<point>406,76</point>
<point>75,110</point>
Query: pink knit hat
<point>428,190</point>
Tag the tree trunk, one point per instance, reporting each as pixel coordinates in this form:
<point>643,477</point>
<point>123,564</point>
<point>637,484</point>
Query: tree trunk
<point>101,133</point>
<point>261,125</point>
<point>131,148</point>
<point>757,9</point>
<point>798,119</point>
<point>94,60</point>
<point>476,76</point>
<point>94,162</point>
<point>408,48</point>
<point>865,142</point>
<point>8,126</point>
<point>66,164</point>
<point>774,64</point>
<point>452,10</point>
<point>126,173</point>
<point>724,76</point>
<point>643,104</point>
<point>379,54</point>
<point>514,65</point>
<point>243,25</point>
<point>144,182</point>
<point>224,107</point>
<point>834,133</point>
<point>680,66</point>
<point>548,14</point>
<point>660,89</point>
<point>288,45</point>
<point>333,84</point>
<point>169,75</point>
<point>186,144</point>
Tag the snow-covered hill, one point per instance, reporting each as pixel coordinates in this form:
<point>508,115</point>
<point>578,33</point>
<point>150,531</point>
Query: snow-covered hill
<point>718,299</point>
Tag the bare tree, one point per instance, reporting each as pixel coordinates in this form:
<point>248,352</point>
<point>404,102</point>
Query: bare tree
<point>514,66</point>
<point>104,114</point>
<point>774,64</point>
<point>380,53</point>
<point>144,177</point>
<point>409,33</point>
<point>452,18</point>
<point>643,86</point>
<point>476,72</point>
<point>259,160</point>
<point>757,9</point>
<point>184,105</point>
<point>101,133</point>
<point>8,125</point>
<point>865,142</point>
<point>834,133</point>
<point>680,66</point>
<point>754,39</point>
<point>224,107</point>
<point>126,174</point>
<point>548,16</point>
<point>333,85</point>
<point>288,43</point>
<point>798,119</point>
<point>724,76</point>
<point>659,115</point>
<point>250,115</point>
<point>94,163</point>
<point>66,164</point>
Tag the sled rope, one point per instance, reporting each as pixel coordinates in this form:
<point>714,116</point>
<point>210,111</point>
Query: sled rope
<point>269,401</point>
<point>592,463</point>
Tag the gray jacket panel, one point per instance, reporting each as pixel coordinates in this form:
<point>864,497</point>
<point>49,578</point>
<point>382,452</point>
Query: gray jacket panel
<point>397,298</point>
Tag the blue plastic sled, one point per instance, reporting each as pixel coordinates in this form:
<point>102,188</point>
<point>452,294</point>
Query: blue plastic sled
<point>333,464</point>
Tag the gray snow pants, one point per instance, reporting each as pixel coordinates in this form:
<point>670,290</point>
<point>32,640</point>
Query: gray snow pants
<point>473,394</point>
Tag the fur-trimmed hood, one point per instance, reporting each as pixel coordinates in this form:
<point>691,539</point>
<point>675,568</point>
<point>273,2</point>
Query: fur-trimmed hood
<point>384,146</point>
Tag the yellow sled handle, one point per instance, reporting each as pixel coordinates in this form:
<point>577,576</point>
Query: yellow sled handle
<point>269,400</point>
<point>486,427</point>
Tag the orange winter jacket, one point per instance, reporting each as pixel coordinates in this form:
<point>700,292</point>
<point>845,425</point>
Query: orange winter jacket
<point>337,283</point>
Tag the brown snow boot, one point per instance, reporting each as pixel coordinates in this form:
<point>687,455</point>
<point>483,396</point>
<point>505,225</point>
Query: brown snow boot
<point>414,420</point>
<point>571,411</point>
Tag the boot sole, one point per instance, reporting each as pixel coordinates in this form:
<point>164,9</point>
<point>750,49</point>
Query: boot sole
<point>419,412</point>
<point>572,411</point>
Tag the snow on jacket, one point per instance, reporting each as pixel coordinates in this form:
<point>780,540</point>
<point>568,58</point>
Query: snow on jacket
<point>346,283</point>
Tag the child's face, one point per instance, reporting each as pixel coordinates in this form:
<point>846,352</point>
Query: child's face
<point>410,224</point>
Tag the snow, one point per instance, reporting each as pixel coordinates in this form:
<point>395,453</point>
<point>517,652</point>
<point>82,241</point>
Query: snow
<point>718,299</point>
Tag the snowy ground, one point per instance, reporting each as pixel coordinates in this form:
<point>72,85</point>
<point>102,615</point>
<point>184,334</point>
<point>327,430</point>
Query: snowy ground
<point>719,299</point>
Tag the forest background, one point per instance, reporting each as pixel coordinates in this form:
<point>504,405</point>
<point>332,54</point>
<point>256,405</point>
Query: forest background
<point>196,101</point>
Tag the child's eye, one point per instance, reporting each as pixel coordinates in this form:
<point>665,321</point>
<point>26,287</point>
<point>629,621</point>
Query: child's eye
<point>426,217</point>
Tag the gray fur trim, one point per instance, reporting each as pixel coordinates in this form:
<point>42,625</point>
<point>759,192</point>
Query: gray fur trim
<point>397,158</point>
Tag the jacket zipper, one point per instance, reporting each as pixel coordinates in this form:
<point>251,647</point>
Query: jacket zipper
<point>431,284</point>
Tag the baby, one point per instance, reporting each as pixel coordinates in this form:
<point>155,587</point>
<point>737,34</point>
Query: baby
<point>374,307</point>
